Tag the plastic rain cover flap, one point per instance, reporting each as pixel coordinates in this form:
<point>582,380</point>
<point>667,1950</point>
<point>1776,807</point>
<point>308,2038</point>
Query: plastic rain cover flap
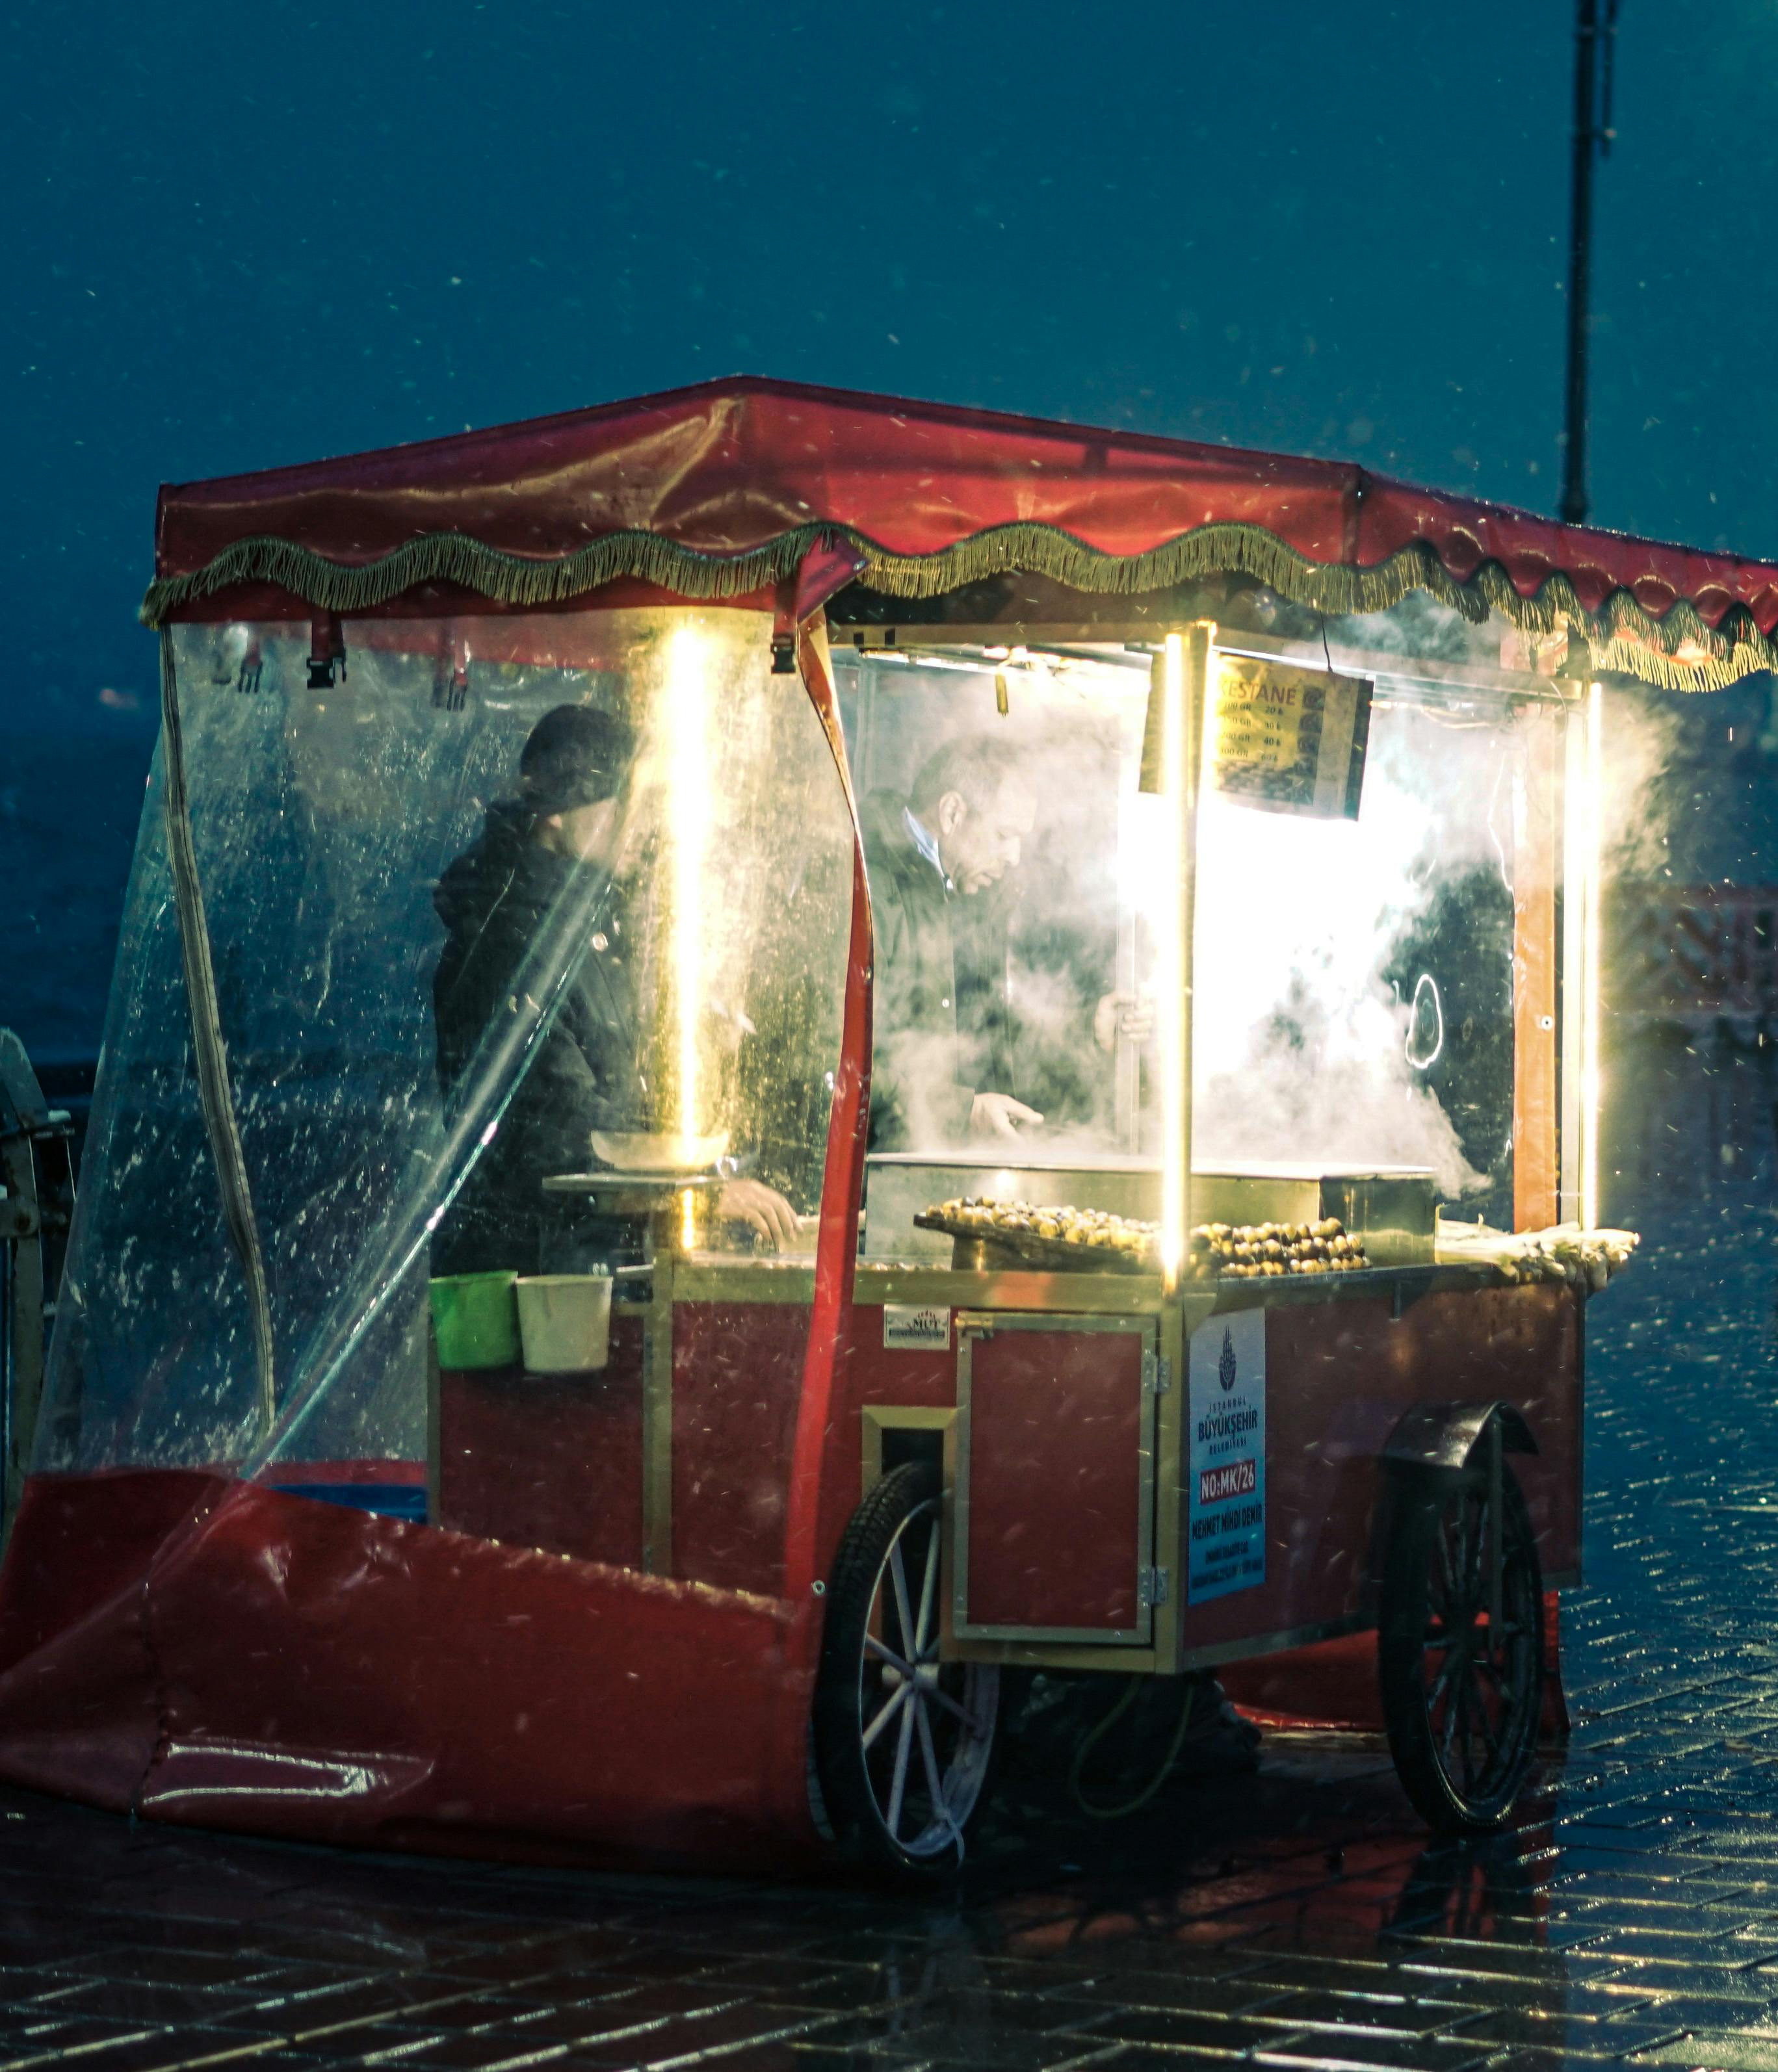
<point>511,902</point>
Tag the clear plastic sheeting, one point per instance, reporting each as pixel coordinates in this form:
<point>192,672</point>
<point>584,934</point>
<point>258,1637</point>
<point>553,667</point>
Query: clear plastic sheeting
<point>443,963</point>
<point>152,1352</point>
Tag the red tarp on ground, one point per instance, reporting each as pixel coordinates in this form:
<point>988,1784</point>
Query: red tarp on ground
<point>218,1654</point>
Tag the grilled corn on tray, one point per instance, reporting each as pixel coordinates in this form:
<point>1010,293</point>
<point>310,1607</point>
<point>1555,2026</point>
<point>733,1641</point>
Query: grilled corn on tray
<point>1257,1252</point>
<point>1070,1239</point>
<point>1585,1258</point>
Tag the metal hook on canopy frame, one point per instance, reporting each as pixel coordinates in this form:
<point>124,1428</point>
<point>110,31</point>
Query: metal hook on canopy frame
<point>327,647</point>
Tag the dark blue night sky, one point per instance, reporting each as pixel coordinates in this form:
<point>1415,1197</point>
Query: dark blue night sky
<point>242,236</point>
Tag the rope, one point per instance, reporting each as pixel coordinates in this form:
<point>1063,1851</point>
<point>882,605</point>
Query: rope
<point>1091,1740</point>
<point>214,1093</point>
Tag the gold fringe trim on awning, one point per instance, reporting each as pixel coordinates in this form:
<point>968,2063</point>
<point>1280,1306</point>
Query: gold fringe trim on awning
<point>1679,651</point>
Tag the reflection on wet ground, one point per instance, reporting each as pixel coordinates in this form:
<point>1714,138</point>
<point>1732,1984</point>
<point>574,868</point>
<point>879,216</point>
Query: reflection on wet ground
<point>1298,1918</point>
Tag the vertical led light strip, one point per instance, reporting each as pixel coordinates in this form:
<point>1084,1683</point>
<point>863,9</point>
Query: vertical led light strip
<point>1592,864</point>
<point>1170,963</point>
<point>689,791</point>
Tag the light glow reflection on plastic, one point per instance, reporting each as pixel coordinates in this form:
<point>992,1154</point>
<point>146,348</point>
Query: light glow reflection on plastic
<point>1430,1008</point>
<point>1297,918</point>
<point>1170,958</point>
<point>1593,809</point>
<point>1294,909</point>
<point>313,1777</point>
<point>689,812</point>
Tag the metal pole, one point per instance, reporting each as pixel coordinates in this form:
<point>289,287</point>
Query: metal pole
<point>1580,239</point>
<point>1595,52</point>
<point>1497,1526</point>
<point>1200,663</point>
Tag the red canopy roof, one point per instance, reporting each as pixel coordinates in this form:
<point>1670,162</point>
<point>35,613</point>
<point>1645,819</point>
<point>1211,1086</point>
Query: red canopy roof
<point>720,490</point>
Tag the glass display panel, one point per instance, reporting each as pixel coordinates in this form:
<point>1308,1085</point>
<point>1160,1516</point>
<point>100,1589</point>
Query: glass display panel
<point>1012,858</point>
<point>1354,982</point>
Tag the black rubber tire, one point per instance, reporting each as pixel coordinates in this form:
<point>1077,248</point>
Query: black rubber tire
<point>1461,1705</point>
<point>901,1512</point>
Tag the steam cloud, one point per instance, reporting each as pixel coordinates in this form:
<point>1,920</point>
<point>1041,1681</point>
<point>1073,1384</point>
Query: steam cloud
<point>1325,1028</point>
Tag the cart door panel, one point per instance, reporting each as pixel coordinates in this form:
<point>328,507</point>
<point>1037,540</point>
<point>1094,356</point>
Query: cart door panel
<point>1053,1509</point>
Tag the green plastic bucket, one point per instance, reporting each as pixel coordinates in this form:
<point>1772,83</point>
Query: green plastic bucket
<point>476,1319</point>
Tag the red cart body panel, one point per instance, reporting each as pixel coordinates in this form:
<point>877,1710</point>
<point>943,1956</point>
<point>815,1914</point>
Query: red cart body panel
<point>217,1653</point>
<point>737,1373</point>
<point>1340,1377</point>
<point>544,1460</point>
<point>1055,1471</point>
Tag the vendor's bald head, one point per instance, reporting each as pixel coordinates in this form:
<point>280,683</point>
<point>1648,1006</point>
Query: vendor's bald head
<point>973,797</point>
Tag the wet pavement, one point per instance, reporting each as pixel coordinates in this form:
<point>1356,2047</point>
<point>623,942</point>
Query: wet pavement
<point>1297,1918</point>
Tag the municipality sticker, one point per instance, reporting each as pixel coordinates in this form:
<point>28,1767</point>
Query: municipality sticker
<point>1225,1543</point>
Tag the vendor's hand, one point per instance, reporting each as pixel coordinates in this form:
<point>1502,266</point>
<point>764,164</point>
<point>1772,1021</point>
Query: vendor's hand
<point>994,1115</point>
<point>763,1209</point>
<point>1129,1014</point>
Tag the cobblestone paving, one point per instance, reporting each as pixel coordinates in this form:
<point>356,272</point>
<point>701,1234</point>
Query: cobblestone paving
<point>1298,1918</point>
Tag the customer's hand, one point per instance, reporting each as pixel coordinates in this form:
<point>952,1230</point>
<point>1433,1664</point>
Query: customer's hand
<point>995,1114</point>
<point>763,1210</point>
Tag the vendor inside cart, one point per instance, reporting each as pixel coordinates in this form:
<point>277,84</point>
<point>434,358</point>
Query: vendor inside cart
<point>937,859</point>
<point>571,835</point>
<point>943,860</point>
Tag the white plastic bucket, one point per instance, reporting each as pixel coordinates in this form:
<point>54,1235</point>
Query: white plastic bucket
<point>565,1321</point>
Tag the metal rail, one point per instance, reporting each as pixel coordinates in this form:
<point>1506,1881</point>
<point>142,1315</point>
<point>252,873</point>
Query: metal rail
<point>36,1203</point>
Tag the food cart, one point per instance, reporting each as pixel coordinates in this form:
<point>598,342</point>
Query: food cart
<point>1187,1270</point>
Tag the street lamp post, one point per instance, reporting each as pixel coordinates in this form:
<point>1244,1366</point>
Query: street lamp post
<point>1596,44</point>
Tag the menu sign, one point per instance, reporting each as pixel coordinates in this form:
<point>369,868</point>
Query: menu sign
<point>1289,741</point>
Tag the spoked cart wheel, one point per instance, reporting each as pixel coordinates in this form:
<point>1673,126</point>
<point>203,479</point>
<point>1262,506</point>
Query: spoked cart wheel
<point>903,1745</point>
<point>1460,1642</point>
